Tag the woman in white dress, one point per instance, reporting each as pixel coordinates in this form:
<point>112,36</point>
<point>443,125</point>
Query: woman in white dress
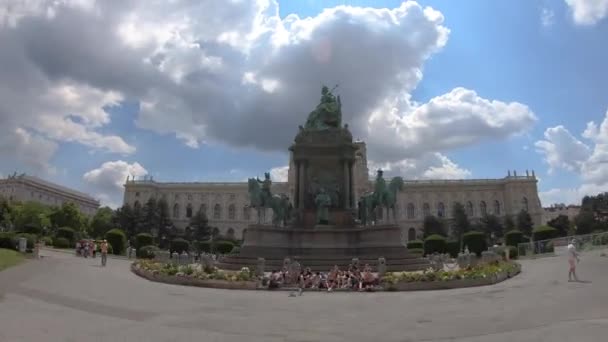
<point>572,260</point>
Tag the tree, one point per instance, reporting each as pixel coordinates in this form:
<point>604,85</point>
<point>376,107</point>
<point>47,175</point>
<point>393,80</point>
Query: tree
<point>68,215</point>
<point>524,222</point>
<point>561,223</point>
<point>150,217</point>
<point>6,220</point>
<point>460,221</point>
<point>125,219</point>
<point>31,214</point>
<point>102,222</point>
<point>200,226</point>
<point>163,217</point>
<point>432,225</point>
<point>492,226</point>
<point>508,224</point>
<point>586,223</point>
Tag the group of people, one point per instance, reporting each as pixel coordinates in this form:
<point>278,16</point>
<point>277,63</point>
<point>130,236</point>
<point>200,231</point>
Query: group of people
<point>353,278</point>
<point>88,248</point>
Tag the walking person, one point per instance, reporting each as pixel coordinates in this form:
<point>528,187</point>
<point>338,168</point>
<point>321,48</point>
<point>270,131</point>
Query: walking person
<point>573,259</point>
<point>104,252</point>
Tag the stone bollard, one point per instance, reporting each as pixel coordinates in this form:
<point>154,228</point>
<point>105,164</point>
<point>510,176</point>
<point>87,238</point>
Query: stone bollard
<point>175,258</point>
<point>464,260</point>
<point>22,245</point>
<point>488,257</point>
<point>183,258</point>
<point>163,256</point>
<point>260,268</point>
<point>381,267</point>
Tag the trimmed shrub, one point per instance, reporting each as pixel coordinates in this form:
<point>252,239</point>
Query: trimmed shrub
<point>147,252</point>
<point>223,247</point>
<point>61,243</point>
<point>7,240</point>
<point>419,251</point>
<point>415,244</point>
<point>514,237</point>
<point>435,244</point>
<point>31,239</point>
<point>475,241</point>
<point>203,246</point>
<point>179,245</point>
<point>453,247</point>
<point>117,239</point>
<point>544,233</point>
<point>66,232</point>
<point>143,239</point>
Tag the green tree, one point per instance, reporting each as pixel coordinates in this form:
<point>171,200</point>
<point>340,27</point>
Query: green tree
<point>200,226</point>
<point>586,223</point>
<point>6,220</point>
<point>432,225</point>
<point>460,221</point>
<point>125,219</point>
<point>561,223</point>
<point>508,224</point>
<point>150,220</point>
<point>102,222</point>
<point>492,227</point>
<point>524,222</point>
<point>68,215</point>
<point>31,214</point>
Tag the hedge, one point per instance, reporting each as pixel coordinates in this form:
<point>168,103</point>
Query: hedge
<point>147,252</point>
<point>415,244</point>
<point>453,247</point>
<point>66,232</point>
<point>514,237</point>
<point>61,243</point>
<point>434,244</point>
<point>7,240</point>
<point>475,241</point>
<point>143,239</point>
<point>179,245</point>
<point>117,239</point>
<point>223,247</point>
<point>202,246</point>
<point>544,233</point>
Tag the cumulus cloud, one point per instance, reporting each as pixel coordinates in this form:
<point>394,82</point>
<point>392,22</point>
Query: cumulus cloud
<point>108,179</point>
<point>562,150</point>
<point>588,12</point>
<point>279,174</point>
<point>230,72</point>
<point>428,166</point>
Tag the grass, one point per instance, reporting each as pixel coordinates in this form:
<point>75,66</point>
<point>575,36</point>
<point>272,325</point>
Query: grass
<point>9,258</point>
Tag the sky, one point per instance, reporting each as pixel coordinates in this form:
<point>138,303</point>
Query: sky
<point>186,90</point>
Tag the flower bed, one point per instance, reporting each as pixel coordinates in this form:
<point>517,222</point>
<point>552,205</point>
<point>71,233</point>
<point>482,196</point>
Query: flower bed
<point>194,275</point>
<point>481,275</point>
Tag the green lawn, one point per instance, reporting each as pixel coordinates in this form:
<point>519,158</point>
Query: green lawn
<point>9,258</point>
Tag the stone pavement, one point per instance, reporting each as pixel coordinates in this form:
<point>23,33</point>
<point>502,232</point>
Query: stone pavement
<point>65,298</point>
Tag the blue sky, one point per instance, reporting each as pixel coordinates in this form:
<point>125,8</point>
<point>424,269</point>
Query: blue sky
<point>534,53</point>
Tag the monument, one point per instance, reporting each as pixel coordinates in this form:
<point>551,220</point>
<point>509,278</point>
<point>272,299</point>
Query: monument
<point>322,226</point>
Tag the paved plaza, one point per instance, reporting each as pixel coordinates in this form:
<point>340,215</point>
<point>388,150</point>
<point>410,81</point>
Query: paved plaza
<point>64,298</point>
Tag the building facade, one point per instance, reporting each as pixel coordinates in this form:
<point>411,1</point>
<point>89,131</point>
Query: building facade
<point>552,212</point>
<point>227,204</point>
<point>24,188</point>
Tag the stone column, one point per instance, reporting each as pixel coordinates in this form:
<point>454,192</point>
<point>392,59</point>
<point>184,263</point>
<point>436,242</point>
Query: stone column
<point>301,187</point>
<point>346,185</point>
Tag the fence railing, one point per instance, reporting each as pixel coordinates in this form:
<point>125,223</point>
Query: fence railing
<point>558,246</point>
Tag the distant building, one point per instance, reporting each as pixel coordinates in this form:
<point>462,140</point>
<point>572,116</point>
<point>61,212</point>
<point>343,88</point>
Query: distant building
<point>24,188</point>
<point>555,210</point>
<point>227,204</point>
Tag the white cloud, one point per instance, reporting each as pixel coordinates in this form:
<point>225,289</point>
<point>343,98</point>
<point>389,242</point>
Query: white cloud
<point>429,166</point>
<point>564,151</point>
<point>588,12</point>
<point>108,180</point>
<point>547,17</point>
<point>279,174</point>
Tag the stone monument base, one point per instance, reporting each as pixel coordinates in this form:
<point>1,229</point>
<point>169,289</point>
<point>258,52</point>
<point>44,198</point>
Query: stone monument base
<point>323,247</point>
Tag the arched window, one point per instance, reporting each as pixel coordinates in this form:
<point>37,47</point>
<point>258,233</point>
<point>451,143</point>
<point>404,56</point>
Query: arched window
<point>189,210</point>
<point>524,204</point>
<point>176,210</point>
<point>203,209</point>
<point>246,213</point>
<point>411,211</point>
<point>496,208</point>
<point>411,234</point>
<point>440,210</point>
<point>230,234</point>
<point>217,212</point>
<point>231,212</point>
<point>426,210</point>
<point>483,208</point>
<point>470,209</point>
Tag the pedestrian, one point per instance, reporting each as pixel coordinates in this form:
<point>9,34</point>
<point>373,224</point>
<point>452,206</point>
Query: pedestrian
<point>573,259</point>
<point>104,252</point>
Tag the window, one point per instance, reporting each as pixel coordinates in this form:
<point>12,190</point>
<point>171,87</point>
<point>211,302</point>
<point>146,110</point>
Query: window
<point>470,209</point>
<point>483,208</point>
<point>231,212</point>
<point>246,213</point>
<point>176,210</point>
<point>411,234</point>
<point>426,209</point>
<point>411,211</point>
<point>524,204</point>
<point>189,210</point>
<point>230,234</point>
<point>440,210</point>
<point>496,208</point>
<point>203,209</point>
<point>217,212</point>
